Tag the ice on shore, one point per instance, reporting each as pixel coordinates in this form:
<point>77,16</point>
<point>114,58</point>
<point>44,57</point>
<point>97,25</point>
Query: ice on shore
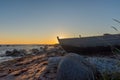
<point>105,65</point>
<point>2,59</point>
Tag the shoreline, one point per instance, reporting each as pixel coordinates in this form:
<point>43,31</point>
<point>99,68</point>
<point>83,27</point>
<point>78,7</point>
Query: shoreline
<point>38,66</point>
<point>22,68</point>
<point>27,67</point>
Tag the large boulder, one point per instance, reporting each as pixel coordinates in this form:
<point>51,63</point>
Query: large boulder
<point>54,61</point>
<point>75,67</point>
<point>50,72</point>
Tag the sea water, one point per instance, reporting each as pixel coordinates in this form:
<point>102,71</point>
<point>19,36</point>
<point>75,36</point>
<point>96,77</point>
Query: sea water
<point>4,48</point>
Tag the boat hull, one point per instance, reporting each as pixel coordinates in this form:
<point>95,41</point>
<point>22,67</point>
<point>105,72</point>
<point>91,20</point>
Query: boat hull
<point>90,50</point>
<point>102,45</point>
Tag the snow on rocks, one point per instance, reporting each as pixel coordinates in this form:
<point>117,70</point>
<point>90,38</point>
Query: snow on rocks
<point>105,65</point>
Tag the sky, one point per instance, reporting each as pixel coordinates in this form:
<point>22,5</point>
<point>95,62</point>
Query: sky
<point>41,21</point>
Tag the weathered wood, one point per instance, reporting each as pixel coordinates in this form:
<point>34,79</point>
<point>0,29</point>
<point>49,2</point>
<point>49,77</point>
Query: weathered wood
<point>94,44</point>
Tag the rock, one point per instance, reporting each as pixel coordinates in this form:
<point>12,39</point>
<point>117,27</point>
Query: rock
<point>75,67</point>
<point>105,65</point>
<point>45,48</point>
<point>16,53</point>
<point>23,52</point>
<point>53,61</point>
<point>51,69</point>
<point>34,51</point>
<point>3,74</point>
<point>8,53</point>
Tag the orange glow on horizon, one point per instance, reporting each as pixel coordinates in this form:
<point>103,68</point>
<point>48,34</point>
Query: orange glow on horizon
<point>50,41</point>
<point>33,39</point>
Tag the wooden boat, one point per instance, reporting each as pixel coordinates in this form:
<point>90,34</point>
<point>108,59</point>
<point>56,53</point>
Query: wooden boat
<point>103,44</point>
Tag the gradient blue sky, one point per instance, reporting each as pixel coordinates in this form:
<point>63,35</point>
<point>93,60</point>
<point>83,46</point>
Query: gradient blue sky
<point>40,21</point>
